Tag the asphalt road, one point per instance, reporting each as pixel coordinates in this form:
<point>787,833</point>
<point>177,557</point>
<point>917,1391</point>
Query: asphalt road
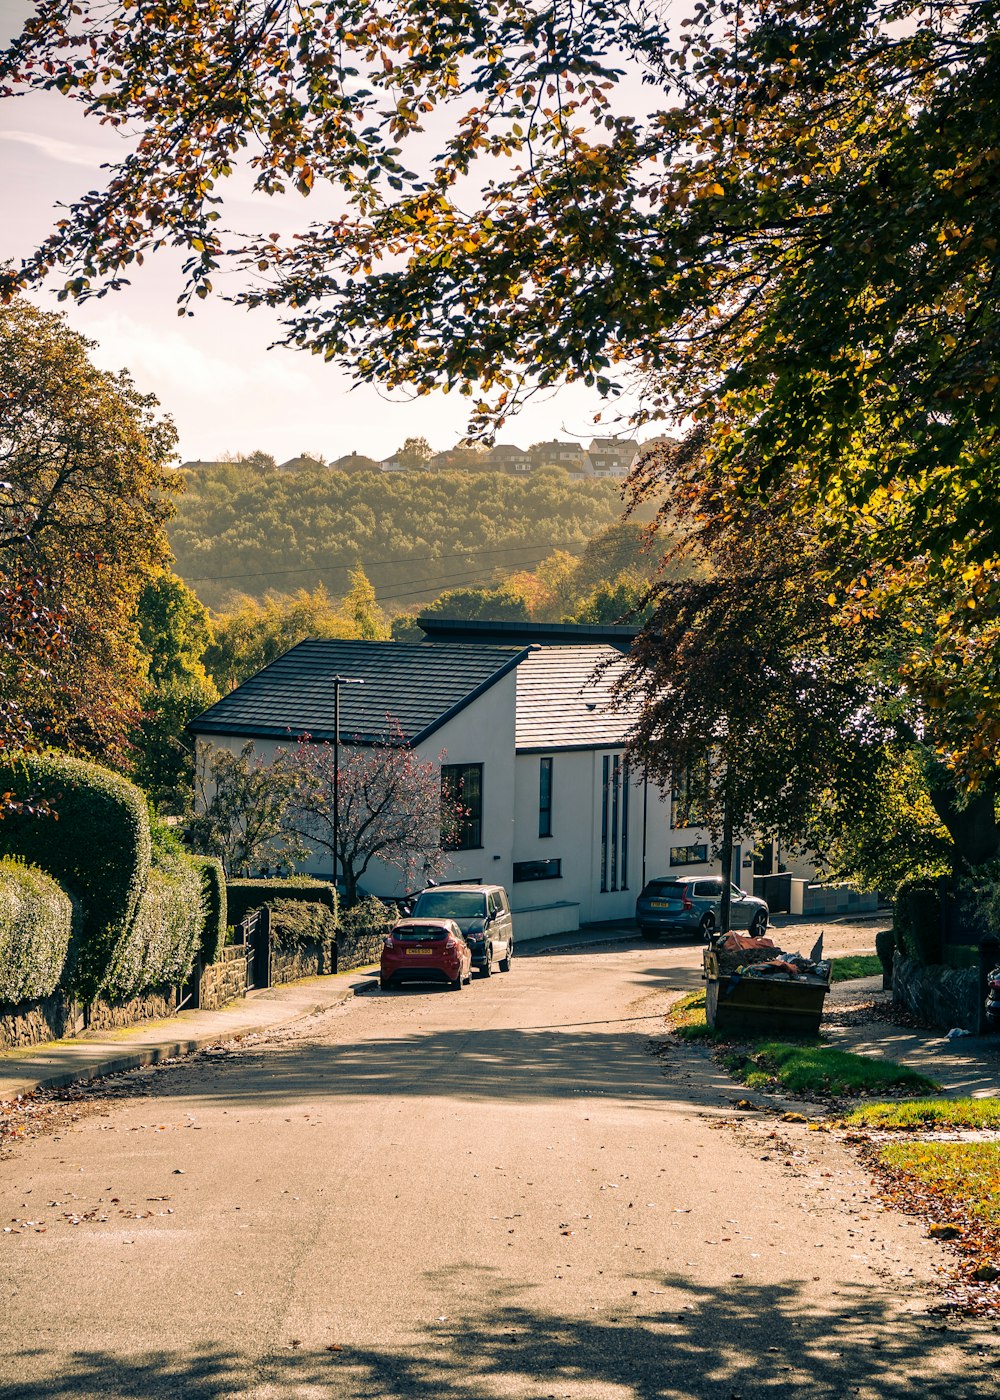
<point>495,1193</point>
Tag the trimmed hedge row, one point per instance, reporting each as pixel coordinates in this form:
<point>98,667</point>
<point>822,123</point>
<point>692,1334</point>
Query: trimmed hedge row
<point>36,920</point>
<point>160,944</point>
<point>143,910</point>
<point>213,884</point>
<point>95,842</point>
<point>361,931</point>
<point>296,923</point>
<point>244,895</point>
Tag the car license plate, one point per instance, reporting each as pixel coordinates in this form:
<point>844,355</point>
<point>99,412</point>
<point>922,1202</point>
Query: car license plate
<point>659,904</point>
<point>426,951</point>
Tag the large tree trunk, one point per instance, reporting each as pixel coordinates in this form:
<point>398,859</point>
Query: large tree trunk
<point>970,819</point>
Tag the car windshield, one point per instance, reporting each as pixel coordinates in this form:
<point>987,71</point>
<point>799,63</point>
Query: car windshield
<point>659,888</point>
<point>450,904</point>
<point>419,933</point>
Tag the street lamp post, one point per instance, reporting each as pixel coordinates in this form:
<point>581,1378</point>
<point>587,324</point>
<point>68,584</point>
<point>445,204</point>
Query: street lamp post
<point>338,681</point>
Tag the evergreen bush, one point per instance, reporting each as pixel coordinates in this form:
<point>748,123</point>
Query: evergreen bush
<point>159,946</point>
<point>36,919</point>
<point>244,895</point>
<point>917,922</point>
<point>94,840</point>
<point>297,923</point>
<point>213,884</point>
<point>361,931</point>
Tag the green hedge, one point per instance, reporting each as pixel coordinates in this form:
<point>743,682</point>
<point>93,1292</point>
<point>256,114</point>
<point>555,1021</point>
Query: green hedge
<point>159,946</point>
<point>95,841</point>
<point>244,895</point>
<point>36,920</point>
<point>213,883</point>
<point>917,922</point>
<point>361,931</point>
<point>297,922</point>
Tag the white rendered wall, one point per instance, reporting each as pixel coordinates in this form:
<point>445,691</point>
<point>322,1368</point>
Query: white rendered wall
<point>481,733</point>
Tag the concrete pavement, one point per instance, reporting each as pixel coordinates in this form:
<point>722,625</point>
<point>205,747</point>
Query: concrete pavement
<point>498,1194</point>
<point>57,1063</point>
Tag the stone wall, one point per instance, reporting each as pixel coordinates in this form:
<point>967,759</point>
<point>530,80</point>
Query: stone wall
<point>225,979</point>
<point>32,1022</point>
<point>942,996</point>
<point>360,951</point>
<point>55,1017</point>
<point>152,1005</point>
<point>302,960</point>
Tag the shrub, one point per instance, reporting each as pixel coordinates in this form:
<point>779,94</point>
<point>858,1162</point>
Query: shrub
<point>245,895</point>
<point>917,922</point>
<point>296,923</point>
<point>159,946</point>
<point>95,841</point>
<point>360,933</point>
<point>213,885</point>
<point>36,918</point>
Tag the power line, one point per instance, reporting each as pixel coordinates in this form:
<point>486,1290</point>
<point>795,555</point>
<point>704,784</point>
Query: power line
<point>406,559</point>
<point>444,578</point>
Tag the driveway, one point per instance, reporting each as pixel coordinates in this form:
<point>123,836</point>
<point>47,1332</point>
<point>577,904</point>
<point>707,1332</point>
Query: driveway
<point>495,1193</point>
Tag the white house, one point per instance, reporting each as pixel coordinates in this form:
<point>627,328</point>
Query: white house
<point>523,714</point>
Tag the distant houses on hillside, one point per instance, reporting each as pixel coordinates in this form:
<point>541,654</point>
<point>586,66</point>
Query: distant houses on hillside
<point>605,457</point>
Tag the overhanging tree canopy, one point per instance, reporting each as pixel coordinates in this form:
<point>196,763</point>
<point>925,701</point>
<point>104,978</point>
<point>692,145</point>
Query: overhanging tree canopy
<point>780,217</point>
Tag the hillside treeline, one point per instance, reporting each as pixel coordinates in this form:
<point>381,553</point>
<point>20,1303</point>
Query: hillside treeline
<point>241,529</point>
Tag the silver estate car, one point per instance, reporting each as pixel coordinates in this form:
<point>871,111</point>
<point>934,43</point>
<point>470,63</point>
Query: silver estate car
<point>690,904</point>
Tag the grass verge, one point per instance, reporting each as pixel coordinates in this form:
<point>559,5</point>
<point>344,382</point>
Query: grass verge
<point>916,1115</point>
<point>687,1018</point>
<point>814,1068</point>
<point>966,1174</point>
<point>857,965</point>
<point>802,1067</point>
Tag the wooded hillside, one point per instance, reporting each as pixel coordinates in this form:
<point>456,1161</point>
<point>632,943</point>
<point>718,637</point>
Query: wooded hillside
<point>239,529</point>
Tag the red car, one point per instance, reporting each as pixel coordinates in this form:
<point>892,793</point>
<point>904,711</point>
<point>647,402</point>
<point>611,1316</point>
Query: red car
<point>426,950</point>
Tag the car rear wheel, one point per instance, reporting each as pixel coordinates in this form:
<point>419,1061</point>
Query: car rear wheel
<point>707,927</point>
<point>385,983</point>
<point>458,983</point>
<point>758,925</point>
<point>505,961</point>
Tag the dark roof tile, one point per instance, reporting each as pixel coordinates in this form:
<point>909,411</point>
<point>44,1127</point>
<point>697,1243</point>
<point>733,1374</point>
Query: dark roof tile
<point>418,685</point>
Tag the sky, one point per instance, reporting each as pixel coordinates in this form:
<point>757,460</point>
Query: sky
<point>214,373</point>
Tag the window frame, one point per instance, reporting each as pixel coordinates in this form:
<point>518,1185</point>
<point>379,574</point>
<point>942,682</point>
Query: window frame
<point>679,862</point>
<point>467,834</point>
<point>553,871</point>
<point>545,775</point>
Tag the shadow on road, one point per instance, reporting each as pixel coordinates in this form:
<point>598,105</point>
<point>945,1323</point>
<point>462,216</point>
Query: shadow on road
<point>673,1341</point>
<point>512,1064</point>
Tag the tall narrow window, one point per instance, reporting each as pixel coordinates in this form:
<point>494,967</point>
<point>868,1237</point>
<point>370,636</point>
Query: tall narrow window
<point>615,779</point>
<point>545,797</point>
<point>614,822</point>
<point>604,822</point>
<point>462,806</point>
<point>624,867</point>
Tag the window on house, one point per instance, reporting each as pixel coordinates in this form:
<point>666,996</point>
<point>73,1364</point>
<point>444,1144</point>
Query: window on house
<point>537,870</point>
<point>690,795</point>
<point>689,855</point>
<point>462,806</point>
<point>614,822</point>
<point>545,797</point>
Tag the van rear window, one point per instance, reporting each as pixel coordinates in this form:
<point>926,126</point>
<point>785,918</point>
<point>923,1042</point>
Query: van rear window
<point>444,903</point>
<point>657,889</point>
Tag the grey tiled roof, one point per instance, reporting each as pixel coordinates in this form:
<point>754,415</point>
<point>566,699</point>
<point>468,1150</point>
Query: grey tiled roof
<point>561,706</point>
<point>419,685</point>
